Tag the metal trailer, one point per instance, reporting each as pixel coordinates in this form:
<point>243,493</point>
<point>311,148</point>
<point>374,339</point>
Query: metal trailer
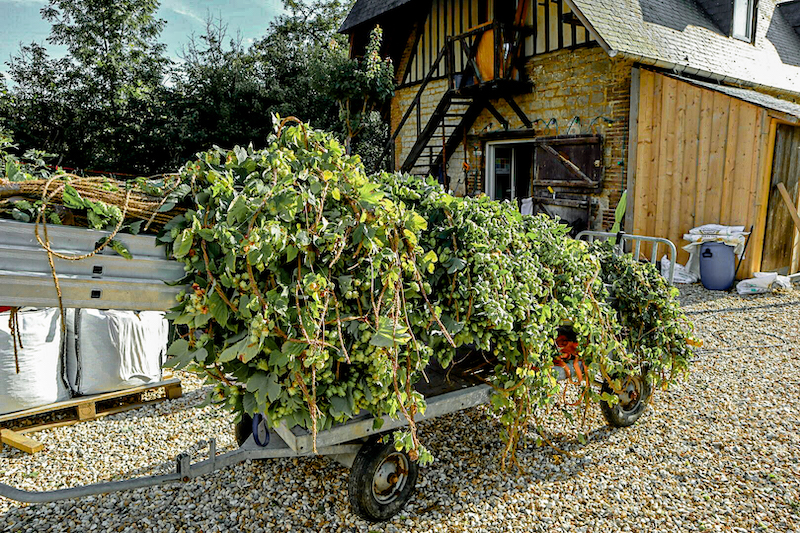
<point>382,479</point>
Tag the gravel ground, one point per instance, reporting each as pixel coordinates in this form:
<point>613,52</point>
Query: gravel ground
<point>718,452</point>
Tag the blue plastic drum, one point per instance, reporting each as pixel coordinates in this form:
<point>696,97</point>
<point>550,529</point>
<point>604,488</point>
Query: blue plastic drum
<point>717,266</point>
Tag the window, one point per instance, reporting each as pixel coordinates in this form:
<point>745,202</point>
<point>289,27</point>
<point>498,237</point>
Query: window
<point>509,171</point>
<point>744,19</point>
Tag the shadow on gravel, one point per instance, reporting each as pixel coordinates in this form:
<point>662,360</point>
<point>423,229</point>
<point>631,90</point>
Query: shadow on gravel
<point>466,472</point>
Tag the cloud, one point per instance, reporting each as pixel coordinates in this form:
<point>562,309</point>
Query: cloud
<point>182,8</point>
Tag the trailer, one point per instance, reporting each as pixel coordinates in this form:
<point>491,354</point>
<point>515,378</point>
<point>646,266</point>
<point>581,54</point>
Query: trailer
<point>382,479</point>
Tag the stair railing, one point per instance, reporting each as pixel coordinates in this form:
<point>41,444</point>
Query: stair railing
<point>503,67</point>
<point>415,105</point>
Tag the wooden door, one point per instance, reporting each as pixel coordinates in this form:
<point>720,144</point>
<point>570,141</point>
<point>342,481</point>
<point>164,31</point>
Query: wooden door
<point>781,240</point>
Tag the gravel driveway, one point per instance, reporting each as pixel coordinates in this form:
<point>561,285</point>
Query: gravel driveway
<point>718,452</point>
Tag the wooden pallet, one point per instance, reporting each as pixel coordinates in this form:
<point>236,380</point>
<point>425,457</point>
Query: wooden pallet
<point>14,426</point>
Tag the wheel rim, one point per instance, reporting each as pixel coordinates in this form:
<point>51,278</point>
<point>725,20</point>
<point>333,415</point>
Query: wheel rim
<point>390,478</point>
<point>630,395</point>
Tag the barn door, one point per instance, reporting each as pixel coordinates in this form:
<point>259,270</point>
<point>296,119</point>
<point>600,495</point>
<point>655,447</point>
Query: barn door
<point>780,241</point>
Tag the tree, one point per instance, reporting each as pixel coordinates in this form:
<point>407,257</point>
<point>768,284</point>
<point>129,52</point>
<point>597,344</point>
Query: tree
<point>361,86</point>
<point>93,105</point>
<point>218,97</point>
<point>39,108</point>
<point>106,106</point>
<point>293,59</point>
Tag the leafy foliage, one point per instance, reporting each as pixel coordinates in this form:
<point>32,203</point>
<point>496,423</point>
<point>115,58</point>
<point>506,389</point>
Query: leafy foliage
<point>361,85</point>
<point>318,291</point>
<point>116,103</point>
<point>653,326</point>
<point>300,265</point>
<point>94,106</point>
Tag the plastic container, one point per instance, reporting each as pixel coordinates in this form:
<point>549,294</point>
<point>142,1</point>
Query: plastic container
<point>717,266</point>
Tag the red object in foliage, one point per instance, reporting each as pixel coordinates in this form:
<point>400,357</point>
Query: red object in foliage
<point>568,348</point>
<point>4,309</point>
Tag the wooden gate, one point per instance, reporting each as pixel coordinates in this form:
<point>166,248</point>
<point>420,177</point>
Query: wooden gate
<point>781,243</point>
<point>568,171</point>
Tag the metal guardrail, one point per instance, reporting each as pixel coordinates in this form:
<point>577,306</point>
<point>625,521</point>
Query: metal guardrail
<point>635,242</point>
<point>104,281</point>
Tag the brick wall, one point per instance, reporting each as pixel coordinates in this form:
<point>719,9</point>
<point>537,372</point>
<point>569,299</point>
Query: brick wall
<point>584,83</point>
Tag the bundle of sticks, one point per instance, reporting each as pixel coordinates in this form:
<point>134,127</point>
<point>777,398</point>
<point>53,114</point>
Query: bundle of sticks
<point>140,205</point>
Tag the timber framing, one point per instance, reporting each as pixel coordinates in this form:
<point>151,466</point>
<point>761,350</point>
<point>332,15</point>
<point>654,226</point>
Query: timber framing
<point>686,118</point>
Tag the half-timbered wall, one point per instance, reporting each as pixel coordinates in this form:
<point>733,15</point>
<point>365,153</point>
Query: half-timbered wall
<point>575,91</point>
<point>553,27</point>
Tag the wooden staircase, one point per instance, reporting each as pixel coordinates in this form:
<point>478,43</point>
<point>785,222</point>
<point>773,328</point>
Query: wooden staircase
<point>459,107</point>
<point>442,134</point>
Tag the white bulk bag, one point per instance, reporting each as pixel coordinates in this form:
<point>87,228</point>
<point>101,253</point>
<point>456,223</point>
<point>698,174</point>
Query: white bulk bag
<point>114,350</point>
<point>41,363</point>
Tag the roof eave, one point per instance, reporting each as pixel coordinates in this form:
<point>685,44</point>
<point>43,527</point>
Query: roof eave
<point>588,25</point>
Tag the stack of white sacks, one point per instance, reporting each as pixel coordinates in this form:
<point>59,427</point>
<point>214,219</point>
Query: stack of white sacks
<point>102,351</point>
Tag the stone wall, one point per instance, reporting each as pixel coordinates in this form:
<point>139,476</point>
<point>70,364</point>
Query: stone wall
<point>574,91</point>
<point>584,83</point>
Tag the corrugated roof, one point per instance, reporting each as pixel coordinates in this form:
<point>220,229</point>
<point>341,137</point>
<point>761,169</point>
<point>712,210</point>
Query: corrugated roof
<point>680,32</point>
<point>366,10</point>
<point>753,97</point>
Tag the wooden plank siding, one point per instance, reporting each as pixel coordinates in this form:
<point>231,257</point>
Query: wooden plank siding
<point>554,25</point>
<point>700,160</point>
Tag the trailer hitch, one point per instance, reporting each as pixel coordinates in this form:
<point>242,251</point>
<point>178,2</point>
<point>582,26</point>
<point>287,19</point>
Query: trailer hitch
<point>185,470</point>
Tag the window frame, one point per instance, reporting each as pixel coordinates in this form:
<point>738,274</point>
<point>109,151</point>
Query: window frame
<point>489,175</point>
<point>751,7</point>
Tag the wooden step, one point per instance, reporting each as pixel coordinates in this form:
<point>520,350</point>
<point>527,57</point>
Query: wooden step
<point>14,426</point>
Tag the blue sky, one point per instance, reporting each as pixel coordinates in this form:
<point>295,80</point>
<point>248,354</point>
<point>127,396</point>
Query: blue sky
<point>21,22</point>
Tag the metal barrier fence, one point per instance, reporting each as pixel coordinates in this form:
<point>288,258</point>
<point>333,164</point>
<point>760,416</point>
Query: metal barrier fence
<point>635,246</point>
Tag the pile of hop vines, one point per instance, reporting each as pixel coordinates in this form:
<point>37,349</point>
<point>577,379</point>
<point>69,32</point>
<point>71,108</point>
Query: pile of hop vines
<point>318,292</point>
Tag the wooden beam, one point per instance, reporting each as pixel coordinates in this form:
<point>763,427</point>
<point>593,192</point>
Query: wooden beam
<point>638,194</point>
<point>20,442</point>
<point>522,116</point>
<point>87,411</point>
<point>762,200</point>
<point>493,110</point>
<point>633,146</point>
<point>173,392</point>
<point>789,205</point>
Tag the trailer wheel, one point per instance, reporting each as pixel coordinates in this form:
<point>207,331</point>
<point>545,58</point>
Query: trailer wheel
<point>632,402</point>
<point>255,426</point>
<point>243,429</point>
<point>382,480</point>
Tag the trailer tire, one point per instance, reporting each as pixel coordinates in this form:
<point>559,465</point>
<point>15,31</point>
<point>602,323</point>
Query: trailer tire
<point>632,402</point>
<point>382,480</point>
<point>243,429</point>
